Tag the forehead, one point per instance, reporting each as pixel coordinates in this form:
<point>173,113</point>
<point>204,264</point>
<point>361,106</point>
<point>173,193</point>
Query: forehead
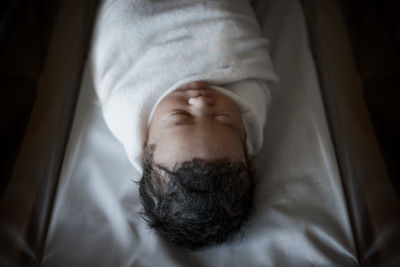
<point>183,144</point>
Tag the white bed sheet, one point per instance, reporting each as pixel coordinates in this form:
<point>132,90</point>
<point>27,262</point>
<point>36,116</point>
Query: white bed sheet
<point>300,216</point>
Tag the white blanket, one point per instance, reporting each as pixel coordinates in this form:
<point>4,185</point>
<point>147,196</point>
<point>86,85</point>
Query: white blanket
<point>143,50</point>
<point>300,216</point>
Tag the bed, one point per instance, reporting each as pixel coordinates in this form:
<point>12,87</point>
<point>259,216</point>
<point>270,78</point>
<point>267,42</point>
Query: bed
<point>323,197</point>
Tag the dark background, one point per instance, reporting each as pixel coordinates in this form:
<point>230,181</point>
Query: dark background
<point>374,28</point>
<point>25,30</point>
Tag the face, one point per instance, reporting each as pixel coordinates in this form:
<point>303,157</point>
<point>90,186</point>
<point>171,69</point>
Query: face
<point>196,121</point>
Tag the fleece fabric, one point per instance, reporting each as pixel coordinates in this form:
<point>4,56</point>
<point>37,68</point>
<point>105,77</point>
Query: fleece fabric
<point>144,49</point>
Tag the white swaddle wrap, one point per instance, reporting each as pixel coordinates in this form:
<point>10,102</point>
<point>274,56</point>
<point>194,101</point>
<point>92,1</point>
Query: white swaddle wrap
<point>144,49</point>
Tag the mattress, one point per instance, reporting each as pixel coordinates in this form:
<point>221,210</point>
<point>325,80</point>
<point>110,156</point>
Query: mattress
<point>300,216</point>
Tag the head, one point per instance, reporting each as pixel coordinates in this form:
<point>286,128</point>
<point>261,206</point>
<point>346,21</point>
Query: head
<point>197,182</point>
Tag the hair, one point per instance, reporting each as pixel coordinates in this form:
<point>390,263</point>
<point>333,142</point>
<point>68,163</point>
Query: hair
<point>200,203</point>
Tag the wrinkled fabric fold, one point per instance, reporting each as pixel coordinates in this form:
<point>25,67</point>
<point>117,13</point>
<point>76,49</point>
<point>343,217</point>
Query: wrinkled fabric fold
<point>143,50</point>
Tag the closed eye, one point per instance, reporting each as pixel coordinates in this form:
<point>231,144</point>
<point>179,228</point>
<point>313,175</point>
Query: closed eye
<point>222,116</point>
<point>180,113</point>
<point>179,118</point>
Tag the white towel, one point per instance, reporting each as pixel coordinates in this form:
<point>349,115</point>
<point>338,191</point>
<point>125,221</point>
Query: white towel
<point>144,49</point>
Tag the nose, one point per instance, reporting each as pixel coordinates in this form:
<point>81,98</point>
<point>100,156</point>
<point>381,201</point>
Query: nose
<point>201,101</point>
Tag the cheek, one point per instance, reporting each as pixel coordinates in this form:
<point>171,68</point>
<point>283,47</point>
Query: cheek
<point>166,106</point>
<point>234,109</point>
<point>171,102</point>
